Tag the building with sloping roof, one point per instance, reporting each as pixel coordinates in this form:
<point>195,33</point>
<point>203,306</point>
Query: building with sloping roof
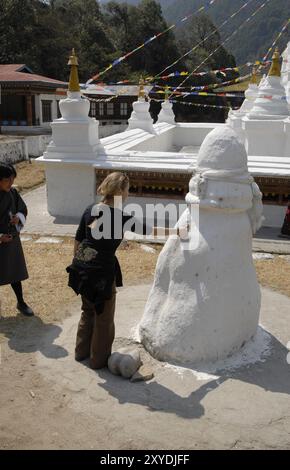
<point>28,102</point>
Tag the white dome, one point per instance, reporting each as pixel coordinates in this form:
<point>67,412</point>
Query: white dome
<point>222,150</point>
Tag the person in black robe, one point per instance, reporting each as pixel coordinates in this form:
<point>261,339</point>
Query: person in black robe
<point>13,212</point>
<point>285,230</point>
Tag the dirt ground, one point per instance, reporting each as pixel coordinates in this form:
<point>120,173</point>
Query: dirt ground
<point>30,175</point>
<point>46,289</point>
<point>45,412</point>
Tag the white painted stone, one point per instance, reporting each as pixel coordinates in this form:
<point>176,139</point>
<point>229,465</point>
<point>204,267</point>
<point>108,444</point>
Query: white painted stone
<point>141,117</point>
<point>263,256</point>
<point>148,249</point>
<point>205,302</point>
<point>166,114</point>
<point>52,240</point>
<point>25,238</point>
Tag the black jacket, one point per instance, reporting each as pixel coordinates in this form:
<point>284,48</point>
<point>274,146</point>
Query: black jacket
<point>95,266</point>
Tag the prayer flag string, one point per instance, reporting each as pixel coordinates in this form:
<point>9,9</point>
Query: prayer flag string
<point>150,40</point>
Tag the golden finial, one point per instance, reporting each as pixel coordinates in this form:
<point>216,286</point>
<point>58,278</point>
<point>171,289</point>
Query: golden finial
<point>74,83</point>
<point>167,93</point>
<point>275,70</point>
<point>254,78</point>
<point>141,89</point>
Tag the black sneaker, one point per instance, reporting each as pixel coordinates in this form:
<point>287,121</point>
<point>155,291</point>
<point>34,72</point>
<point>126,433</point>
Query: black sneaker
<point>25,309</point>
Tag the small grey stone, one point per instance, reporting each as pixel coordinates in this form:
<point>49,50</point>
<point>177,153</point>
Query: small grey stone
<point>124,362</point>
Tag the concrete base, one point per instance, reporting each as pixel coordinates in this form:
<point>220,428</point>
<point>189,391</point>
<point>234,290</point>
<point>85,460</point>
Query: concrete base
<point>70,189</point>
<point>274,215</point>
<point>264,137</point>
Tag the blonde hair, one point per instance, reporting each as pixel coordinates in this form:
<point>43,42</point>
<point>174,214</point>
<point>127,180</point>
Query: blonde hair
<point>113,184</point>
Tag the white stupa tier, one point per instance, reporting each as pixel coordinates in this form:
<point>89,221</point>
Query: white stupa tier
<point>205,301</point>
<point>75,136</point>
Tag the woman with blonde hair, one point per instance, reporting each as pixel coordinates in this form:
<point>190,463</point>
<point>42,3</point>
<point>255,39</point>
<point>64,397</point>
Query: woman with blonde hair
<point>95,271</point>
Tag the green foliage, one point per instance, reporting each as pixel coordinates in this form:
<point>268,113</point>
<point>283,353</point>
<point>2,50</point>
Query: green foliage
<point>254,38</point>
<point>41,33</point>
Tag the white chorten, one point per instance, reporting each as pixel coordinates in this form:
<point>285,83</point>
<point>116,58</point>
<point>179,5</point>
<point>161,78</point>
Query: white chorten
<point>75,145</point>
<point>251,94</point>
<point>205,301</point>
<point>166,114</point>
<point>235,117</point>
<point>75,136</point>
<point>271,102</point>
<point>141,117</point>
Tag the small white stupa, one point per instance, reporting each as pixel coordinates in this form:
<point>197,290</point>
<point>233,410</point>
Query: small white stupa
<point>141,117</point>
<point>205,301</point>
<point>264,124</point>
<point>235,117</point>
<point>166,114</point>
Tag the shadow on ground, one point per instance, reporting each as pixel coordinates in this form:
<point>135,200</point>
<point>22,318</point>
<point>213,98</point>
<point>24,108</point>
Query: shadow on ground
<point>25,335</point>
<point>272,375</point>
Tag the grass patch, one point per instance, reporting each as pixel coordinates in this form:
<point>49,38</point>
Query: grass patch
<point>274,274</point>
<point>46,289</point>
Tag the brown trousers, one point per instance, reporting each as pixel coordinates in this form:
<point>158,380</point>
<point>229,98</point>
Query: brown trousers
<point>96,333</point>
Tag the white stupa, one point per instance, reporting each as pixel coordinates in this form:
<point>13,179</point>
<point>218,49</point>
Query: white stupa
<point>166,114</point>
<point>205,301</point>
<point>263,126</point>
<point>141,117</point>
<point>235,117</point>
<point>271,102</point>
<point>75,145</point>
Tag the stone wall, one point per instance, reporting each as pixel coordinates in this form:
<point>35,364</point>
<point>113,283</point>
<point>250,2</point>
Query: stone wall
<point>13,150</point>
<point>110,129</point>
